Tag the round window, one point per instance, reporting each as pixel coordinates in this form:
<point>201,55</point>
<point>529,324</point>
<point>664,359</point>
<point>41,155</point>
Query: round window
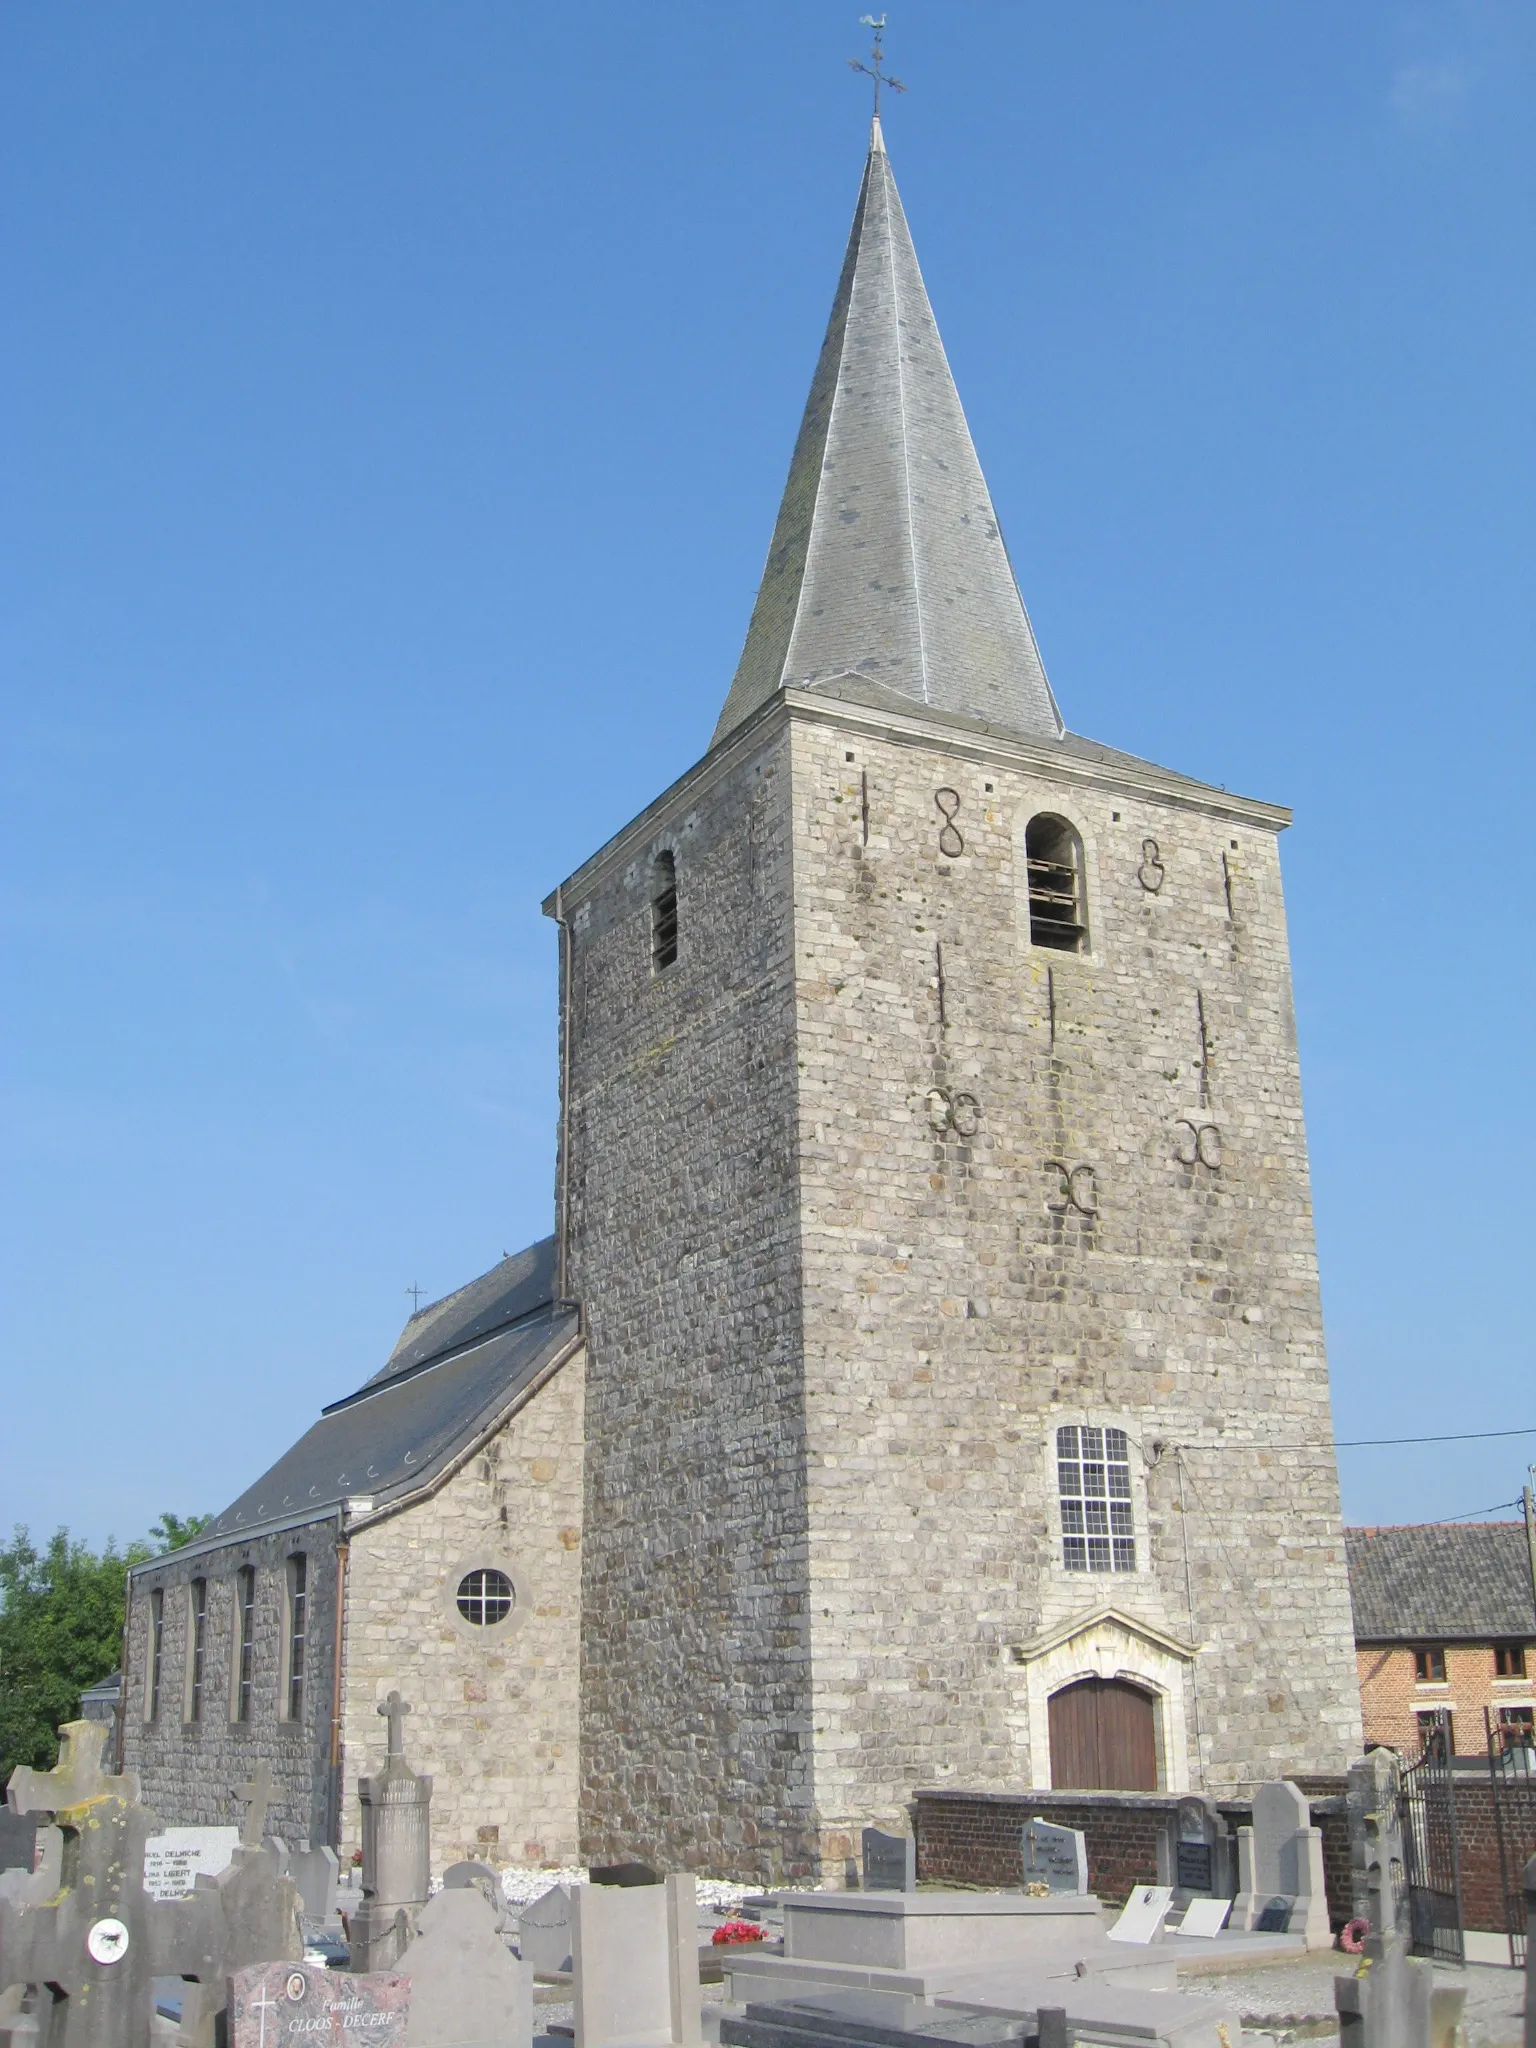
<point>485,1597</point>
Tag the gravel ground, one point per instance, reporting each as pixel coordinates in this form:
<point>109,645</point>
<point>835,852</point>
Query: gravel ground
<point>1293,2001</point>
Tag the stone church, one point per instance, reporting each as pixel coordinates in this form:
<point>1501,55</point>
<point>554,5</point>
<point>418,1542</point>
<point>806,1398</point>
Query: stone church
<point>924,1383</point>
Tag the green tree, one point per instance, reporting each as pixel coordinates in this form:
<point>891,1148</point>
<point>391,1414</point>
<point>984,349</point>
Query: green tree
<point>61,1629</point>
<point>171,1532</point>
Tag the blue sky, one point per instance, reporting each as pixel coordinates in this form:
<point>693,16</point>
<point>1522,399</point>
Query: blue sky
<point>395,402</point>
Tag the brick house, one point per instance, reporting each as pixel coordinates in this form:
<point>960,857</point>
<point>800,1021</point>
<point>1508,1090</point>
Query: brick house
<point>1445,1622</point>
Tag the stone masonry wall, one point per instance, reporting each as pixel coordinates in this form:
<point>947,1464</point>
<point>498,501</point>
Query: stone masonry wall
<point>683,1248</point>
<point>494,1714</point>
<point>189,1768</point>
<point>959,1306</point>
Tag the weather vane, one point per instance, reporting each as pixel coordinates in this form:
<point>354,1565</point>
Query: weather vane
<point>873,70</point>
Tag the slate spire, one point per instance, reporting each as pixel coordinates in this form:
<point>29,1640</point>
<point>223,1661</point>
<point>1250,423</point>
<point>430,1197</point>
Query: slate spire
<point>887,563</point>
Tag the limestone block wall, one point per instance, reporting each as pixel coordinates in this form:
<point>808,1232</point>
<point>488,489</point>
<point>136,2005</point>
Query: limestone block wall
<point>680,1166</point>
<point>189,1768</point>
<point>1040,1188</point>
<point>494,1712</point>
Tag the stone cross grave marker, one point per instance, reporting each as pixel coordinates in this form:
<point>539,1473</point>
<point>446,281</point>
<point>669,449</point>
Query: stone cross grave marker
<point>257,1797</point>
<point>397,1849</point>
<point>1055,1857</point>
<point>1377,1872</point>
<point>890,1862</point>
<point>277,2005</point>
<point>76,1777</point>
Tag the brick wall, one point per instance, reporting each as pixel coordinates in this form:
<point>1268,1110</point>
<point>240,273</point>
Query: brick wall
<point>1392,1697</point>
<point>975,1839</point>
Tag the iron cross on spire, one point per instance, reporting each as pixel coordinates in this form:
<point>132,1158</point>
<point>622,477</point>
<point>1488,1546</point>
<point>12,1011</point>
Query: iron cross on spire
<point>877,55</point>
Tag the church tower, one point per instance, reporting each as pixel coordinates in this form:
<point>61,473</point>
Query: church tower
<point>934,1182</point>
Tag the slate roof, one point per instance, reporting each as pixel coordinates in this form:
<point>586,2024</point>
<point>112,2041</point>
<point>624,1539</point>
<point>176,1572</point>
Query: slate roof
<point>1441,1582</point>
<point>887,560</point>
<point>457,1366</point>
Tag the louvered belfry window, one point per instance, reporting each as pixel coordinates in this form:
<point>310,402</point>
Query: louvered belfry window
<point>1054,856</point>
<point>664,912</point>
<point>1093,1478</point>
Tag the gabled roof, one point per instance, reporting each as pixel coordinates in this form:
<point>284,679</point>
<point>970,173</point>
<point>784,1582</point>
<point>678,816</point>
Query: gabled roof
<point>1441,1582</point>
<point>887,561</point>
<point>457,1367</point>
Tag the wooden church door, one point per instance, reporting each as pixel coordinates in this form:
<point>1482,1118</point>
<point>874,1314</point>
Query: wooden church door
<point>1103,1737</point>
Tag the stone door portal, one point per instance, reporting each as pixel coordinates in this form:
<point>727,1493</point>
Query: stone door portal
<point>1103,1737</point>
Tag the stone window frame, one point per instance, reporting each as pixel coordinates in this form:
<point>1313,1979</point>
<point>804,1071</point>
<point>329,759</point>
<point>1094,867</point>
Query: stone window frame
<point>1061,1573</point>
<point>194,1697</point>
<point>487,1558</point>
<point>293,1686</point>
<point>242,1644</point>
<point>1037,800</point>
<point>154,1653</point>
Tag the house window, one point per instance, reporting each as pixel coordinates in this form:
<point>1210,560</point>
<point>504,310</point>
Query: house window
<point>1509,1660</point>
<point>664,912</point>
<point>1429,1665</point>
<point>245,1639</point>
<point>298,1636</point>
<point>1517,1728</point>
<point>485,1597</point>
<point>1437,1735</point>
<point>1093,1477</point>
<point>156,1655</point>
<point>1054,859</point>
<point>197,1646</point>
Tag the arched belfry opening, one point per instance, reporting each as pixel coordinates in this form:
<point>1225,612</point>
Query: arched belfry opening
<point>1103,1737</point>
<point>1058,908</point>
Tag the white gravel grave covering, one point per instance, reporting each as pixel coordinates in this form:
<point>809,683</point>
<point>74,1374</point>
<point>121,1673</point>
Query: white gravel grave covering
<point>521,1883</point>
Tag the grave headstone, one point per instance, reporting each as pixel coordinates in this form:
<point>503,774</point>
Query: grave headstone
<point>545,1937</point>
<point>1386,2003</point>
<point>278,2005</point>
<point>890,1862</point>
<point>87,1938</point>
<point>1377,1872</point>
<point>397,1877</point>
<point>317,1873</point>
<point>1054,1856</point>
<point>635,1958</point>
<point>18,1839</point>
<point>1204,1918</point>
<point>477,1877</point>
<point>176,1857</point>
<point>466,1989</point>
<point>1280,1868</point>
<point>1194,1852</point>
<point>624,1874</point>
<point>1145,1911</point>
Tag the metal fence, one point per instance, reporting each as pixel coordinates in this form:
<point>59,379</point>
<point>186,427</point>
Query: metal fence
<point>1512,1785</point>
<point>1431,1848</point>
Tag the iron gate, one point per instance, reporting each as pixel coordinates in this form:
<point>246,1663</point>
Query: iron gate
<point>1512,1786</point>
<point>1431,1850</point>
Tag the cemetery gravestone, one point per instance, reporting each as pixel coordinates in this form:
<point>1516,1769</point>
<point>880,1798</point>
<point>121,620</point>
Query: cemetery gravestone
<point>317,1874</point>
<point>545,1939</point>
<point>279,2005</point>
<point>465,1988</point>
<point>1145,1911</point>
<point>176,1857</point>
<point>635,1956</point>
<point>1280,1868</point>
<point>397,1876</point>
<point>478,1877</point>
<point>1055,1857</point>
<point>1377,1873</point>
<point>890,1862</point>
<point>1194,1852</point>
<point>1204,1918</point>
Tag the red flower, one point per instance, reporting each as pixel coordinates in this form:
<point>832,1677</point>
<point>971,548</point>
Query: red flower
<point>732,1931</point>
<point>1352,1940</point>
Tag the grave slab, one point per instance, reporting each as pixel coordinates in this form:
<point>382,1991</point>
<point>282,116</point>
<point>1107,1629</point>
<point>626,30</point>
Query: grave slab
<point>280,2005</point>
<point>917,1930</point>
<point>1145,1911</point>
